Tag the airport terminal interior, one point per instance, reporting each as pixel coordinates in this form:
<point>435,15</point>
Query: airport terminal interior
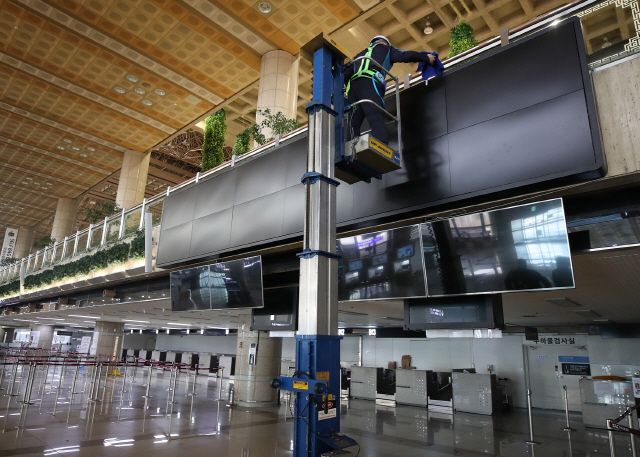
<point>204,252</point>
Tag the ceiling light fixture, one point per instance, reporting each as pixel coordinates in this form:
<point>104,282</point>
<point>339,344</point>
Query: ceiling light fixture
<point>606,43</point>
<point>428,30</point>
<point>133,79</point>
<point>119,89</point>
<point>264,7</point>
<point>89,148</point>
<point>178,323</point>
<point>140,90</point>
<point>129,320</point>
<point>147,102</point>
<point>62,148</point>
<point>67,140</point>
<point>160,92</point>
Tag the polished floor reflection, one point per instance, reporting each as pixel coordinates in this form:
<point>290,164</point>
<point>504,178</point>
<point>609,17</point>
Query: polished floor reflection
<point>201,425</point>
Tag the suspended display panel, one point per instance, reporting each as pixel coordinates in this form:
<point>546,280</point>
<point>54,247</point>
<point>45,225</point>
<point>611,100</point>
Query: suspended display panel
<point>280,311</point>
<point>224,285</point>
<point>520,248</point>
<point>381,265</point>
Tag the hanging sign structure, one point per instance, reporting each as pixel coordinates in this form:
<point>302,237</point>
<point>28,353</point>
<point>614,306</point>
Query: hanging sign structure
<point>9,245</point>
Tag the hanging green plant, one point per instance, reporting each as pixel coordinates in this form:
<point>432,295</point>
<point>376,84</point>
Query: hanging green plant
<point>44,242</point>
<point>101,210</point>
<point>243,142</point>
<point>461,39</point>
<point>215,132</point>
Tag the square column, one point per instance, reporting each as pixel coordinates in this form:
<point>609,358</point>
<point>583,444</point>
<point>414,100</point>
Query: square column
<point>24,242</point>
<point>109,339</point>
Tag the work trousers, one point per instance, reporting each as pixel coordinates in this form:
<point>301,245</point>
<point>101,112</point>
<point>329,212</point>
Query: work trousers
<point>361,89</point>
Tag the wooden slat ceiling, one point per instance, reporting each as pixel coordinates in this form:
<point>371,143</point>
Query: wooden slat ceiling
<point>82,81</point>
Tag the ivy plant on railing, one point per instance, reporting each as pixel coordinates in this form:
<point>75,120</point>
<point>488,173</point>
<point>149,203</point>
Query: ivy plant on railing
<point>114,254</point>
<point>101,210</point>
<point>215,132</point>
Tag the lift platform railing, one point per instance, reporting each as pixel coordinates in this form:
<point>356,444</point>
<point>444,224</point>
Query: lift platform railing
<point>614,425</point>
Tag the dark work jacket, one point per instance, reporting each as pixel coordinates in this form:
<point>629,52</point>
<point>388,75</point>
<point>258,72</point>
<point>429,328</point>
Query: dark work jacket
<point>388,55</point>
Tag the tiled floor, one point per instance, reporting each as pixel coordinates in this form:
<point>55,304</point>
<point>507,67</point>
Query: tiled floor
<point>202,426</point>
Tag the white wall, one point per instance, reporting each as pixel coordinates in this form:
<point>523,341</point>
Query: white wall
<point>197,343</point>
<point>139,341</point>
<point>288,349</point>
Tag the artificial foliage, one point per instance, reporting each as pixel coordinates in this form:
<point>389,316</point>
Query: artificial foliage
<point>114,254</point>
<point>243,142</point>
<point>101,210</point>
<point>461,39</point>
<point>215,132</point>
<point>44,242</point>
<point>276,122</point>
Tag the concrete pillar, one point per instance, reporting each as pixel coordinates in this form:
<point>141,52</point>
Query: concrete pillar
<point>45,337</point>
<point>252,382</point>
<point>133,179</point>
<point>64,219</point>
<point>24,242</point>
<point>278,87</point>
<point>109,338</point>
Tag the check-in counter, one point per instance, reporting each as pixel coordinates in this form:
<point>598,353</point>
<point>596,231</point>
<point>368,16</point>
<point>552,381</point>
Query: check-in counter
<point>602,400</point>
<point>155,355</point>
<point>411,387</point>
<point>364,382</point>
<point>476,393</point>
<point>171,357</point>
<point>130,353</point>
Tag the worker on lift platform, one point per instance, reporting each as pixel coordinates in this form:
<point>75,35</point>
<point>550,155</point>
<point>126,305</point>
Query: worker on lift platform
<point>365,82</point>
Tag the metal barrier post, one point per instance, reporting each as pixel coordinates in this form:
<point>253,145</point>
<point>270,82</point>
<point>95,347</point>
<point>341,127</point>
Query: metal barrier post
<point>220,383</point>
<point>55,404</point>
<point>632,426</point>
<point>612,442</point>
<point>25,397</point>
<point>171,370</point>
<point>566,410</point>
<point>2,373</point>
<point>33,378</point>
<point>193,388</point>
<point>173,389</point>
<point>73,385</point>
<point>124,379</point>
<point>95,386</point>
<point>106,375</point>
<point>13,381</point>
<point>531,439</point>
<point>149,382</point>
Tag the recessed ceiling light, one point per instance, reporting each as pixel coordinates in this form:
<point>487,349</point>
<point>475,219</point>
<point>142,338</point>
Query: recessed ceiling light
<point>62,148</point>
<point>140,90</point>
<point>66,140</point>
<point>147,102</point>
<point>264,7</point>
<point>119,90</point>
<point>133,79</point>
<point>428,30</point>
<point>160,92</point>
<point>75,148</point>
<point>84,155</point>
<point>89,148</point>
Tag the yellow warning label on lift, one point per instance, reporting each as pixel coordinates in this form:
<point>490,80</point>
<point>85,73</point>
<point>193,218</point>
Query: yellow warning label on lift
<point>380,147</point>
<point>300,385</point>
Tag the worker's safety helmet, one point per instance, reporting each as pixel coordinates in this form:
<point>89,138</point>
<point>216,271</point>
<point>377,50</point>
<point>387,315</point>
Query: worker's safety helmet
<point>380,37</point>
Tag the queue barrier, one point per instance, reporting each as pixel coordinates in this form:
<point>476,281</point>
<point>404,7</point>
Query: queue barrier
<point>614,425</point>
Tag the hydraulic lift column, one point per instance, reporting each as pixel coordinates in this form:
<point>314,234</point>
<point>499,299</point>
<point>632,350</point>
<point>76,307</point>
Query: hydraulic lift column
<point>316,382</point>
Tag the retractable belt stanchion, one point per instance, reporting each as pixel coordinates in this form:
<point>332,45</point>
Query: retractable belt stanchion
<point>75,379</point>
<point>13,381</point>
<point>567,428</point>
<point>531,440</point>
<point>106,375</point>
<point>147,395</point>
<point>95,385</point>
<point>2,372</point>
<point>612,441</point>
<point>27,390</point>
<point>55,404</point>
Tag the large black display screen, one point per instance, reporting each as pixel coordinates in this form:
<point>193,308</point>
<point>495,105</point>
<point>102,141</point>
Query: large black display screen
<point>225,285</point>
<point>280,310</point>
<point>514,249</point>
<point>454,312</point>
<point>381,265</point>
